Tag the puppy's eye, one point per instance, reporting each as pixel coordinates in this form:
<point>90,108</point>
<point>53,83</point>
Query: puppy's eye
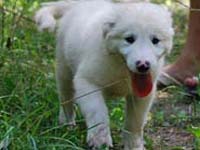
<point>130,39</point>
<point>155,40</point>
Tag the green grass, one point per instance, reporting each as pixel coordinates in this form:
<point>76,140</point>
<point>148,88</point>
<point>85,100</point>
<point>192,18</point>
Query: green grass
<point>29,101</point>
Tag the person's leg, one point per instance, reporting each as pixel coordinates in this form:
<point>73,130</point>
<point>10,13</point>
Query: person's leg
<point>188,64</point>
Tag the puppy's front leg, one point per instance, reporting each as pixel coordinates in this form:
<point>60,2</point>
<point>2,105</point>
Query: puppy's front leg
<point>136,114</point>
<point>95,112</point>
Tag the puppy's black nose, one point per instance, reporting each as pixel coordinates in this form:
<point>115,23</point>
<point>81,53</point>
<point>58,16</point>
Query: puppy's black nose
<point>142,66</point>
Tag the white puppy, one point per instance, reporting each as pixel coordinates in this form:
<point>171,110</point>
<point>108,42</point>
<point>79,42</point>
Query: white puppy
<point>101,43</point>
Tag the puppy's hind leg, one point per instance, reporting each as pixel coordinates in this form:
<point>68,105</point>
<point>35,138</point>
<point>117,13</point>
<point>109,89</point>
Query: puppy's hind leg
<point>136,114</point>
<point>65,90</point>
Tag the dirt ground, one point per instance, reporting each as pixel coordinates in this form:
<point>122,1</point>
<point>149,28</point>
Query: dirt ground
<point>172,134</point>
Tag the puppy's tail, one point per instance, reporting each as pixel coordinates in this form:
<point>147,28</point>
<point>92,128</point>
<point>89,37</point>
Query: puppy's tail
<point>46,16</point>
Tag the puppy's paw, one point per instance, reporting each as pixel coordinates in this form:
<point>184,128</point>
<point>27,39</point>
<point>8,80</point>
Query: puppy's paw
<point>99,136</point>
<point>63,121</point>
<point>45,20</point>
<point>135,148</point>
<point>67,119</point>
<point>133,141</point>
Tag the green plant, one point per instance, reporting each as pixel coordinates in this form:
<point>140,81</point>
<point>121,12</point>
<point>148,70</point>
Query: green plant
<point>196,132</point>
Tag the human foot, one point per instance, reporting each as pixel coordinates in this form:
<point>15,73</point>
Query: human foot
<point>172,75</point>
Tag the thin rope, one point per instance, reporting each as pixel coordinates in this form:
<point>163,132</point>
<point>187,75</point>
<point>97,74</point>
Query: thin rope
<point>186,6</point>
<point>93,91</point>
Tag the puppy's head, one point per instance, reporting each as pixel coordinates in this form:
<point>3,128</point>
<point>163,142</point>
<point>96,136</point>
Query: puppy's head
<point>142,33</point>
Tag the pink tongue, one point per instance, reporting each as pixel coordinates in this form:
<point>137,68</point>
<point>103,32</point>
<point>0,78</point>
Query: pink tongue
<point>141,84</point>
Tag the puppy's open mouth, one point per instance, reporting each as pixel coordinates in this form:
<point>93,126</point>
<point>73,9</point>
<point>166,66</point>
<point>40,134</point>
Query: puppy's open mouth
<point>141,84</point>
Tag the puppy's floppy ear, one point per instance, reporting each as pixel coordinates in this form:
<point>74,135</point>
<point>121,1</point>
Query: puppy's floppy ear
<point>107,27</point>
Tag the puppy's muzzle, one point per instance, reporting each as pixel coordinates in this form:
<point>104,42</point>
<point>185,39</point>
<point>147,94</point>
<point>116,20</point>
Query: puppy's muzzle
<point>142,66</point>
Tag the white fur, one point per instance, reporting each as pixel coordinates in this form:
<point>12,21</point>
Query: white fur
<point>46,16</point>
<point>92,53</point>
